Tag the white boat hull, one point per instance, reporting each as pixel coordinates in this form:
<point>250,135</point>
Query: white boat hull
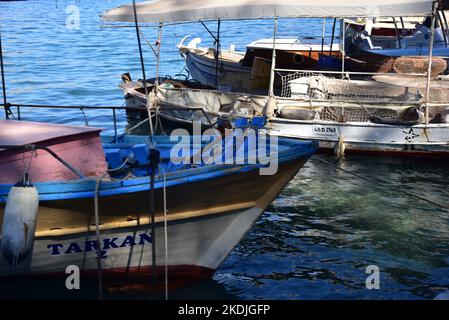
<point>365,137</point>
<point>205,71</point>
<point>196,247</point>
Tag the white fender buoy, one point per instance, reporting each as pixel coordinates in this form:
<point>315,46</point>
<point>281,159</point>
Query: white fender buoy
<point>269,107</point>
<point>19,222</point>
<point>340,147</point>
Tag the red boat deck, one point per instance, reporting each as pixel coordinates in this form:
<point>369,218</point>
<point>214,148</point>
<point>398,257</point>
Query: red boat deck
<point>79,146</point>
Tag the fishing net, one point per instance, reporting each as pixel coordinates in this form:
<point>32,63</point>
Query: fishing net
<point>315,86</point>
<point>355,114</point>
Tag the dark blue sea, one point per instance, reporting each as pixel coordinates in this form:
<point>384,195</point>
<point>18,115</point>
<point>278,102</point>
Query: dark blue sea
<point>318,237</point>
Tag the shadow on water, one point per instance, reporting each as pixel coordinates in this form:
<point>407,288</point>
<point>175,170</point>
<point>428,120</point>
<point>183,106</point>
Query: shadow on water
<point>205,289</point>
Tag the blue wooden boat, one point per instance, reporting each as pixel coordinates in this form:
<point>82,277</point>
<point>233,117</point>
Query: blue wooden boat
<point>209,208</point>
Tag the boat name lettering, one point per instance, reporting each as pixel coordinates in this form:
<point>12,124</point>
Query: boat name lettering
<point>91,245</point>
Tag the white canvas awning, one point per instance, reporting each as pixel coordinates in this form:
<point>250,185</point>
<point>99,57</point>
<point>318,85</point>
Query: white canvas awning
<point>167,11</point>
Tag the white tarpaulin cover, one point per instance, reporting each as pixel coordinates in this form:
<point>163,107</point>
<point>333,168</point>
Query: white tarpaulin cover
<point>193,10</point>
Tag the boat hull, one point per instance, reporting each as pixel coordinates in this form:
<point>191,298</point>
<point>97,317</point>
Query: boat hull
<point>361,137</point>
<point>204,223</point>
<point>205,71</point>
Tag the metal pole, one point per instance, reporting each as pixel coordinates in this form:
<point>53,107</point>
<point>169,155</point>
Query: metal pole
<point>440,23</point>
<point>429,68</point>
<point>322,35</point>
<point>217,52</point>
<point>446,27</point>
<point>273,59</point>
<point>397,33</point>
<point>159,43</point>
<point>5,102</point>
<point>115,125</point>
<point>152,211</point>
<point>142,65</point>
<point>332,36</point>
<point>402,24</point>
<point>343,39</point>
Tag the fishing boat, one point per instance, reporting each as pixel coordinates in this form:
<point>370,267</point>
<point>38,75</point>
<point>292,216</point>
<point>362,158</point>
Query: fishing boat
<point>69,196</point>
<point>345,115</point>
<point>382,49</point>
<point>250,71</point>
<point>372,123</point>
<point>371,45</point>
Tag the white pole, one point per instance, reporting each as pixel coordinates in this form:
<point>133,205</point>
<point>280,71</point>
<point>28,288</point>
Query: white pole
<point>273,59</point>
<point>159,43</point>
<point>429,67</point>
<point>322,35</point>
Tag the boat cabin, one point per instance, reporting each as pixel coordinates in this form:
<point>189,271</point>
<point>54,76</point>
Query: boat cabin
<point>33,145</point>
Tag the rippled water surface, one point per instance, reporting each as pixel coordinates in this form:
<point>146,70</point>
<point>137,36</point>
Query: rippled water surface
<point>316,240</point>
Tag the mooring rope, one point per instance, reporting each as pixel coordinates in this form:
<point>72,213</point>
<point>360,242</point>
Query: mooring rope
<point>165,233</point>
<point>32,149</point>
<point>97,224</point>
<point>86,123</point>
<point>97,234</point>
<point>382,184</point>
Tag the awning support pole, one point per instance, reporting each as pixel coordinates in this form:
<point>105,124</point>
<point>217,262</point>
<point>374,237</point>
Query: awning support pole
<point>217,52</point>
<point>322,35</point>
<point>332,36</point>
<point>442,26</point>
<point>429,67</point>
<point>343,53</point>
<point>446,27</point>
<point>142,64</point>
<point>273,59</point>
<point>158,51</point>
<point>398,36</point>
<point>149,106</point>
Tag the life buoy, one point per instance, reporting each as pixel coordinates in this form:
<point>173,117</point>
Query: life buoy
<point>298,59</point>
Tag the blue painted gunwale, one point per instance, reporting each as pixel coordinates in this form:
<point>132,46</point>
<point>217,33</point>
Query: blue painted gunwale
<point>289,150</point>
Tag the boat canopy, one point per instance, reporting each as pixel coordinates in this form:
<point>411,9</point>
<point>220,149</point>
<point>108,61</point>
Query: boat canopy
<point>170,11</point>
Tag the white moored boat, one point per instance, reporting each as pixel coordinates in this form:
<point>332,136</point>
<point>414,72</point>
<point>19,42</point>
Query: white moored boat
<point>374,115</point>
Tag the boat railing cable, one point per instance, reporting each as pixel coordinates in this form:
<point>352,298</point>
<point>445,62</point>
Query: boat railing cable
<point>5,101</point>
<point>84,116</point>
<point>148,43</point>
<point>114,112</point>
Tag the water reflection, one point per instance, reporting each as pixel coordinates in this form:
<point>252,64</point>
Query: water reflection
<point>323,231</point>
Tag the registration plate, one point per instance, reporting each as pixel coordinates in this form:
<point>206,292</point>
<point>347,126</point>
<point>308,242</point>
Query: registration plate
<point>325,130</point>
